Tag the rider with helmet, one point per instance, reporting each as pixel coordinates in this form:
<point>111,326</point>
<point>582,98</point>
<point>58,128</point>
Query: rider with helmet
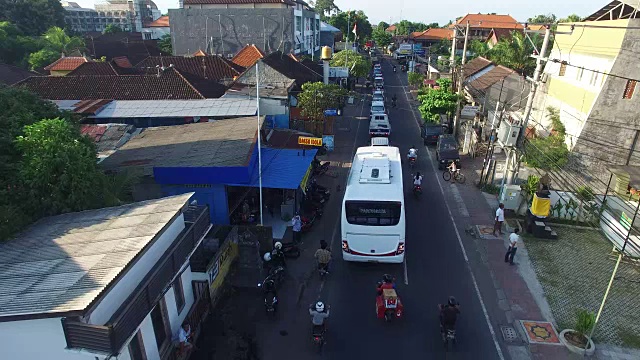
<point>449,314</point>
<point>413,153</point>
<point>277,255</point>
<point>387,283</point>
<point>319,313</point>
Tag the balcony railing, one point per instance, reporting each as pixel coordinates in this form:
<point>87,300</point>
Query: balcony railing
<point>111,337</point>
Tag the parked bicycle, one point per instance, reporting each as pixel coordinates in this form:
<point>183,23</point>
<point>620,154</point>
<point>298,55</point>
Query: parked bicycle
<point>457,176</point>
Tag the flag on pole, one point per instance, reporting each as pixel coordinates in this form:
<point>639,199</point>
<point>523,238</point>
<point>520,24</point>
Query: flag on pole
<point>355,30</point>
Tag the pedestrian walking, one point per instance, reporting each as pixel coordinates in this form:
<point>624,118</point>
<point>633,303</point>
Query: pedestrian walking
<point>499,220</point>
<point>296,223</point>
<point>513,246</point>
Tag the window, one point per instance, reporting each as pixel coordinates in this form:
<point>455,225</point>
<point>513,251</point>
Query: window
<point>160,322</point>
<point>628,90</point>
<point>136,348</point>
<point>380,213</point>
<point>298,24</point>
<point>317,25</point>
<point>563,68</point>
<point>147,36</point>
<point>579,74</point>
<point>179,293</point>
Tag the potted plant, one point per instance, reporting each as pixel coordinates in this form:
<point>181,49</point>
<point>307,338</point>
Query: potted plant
<point>576,340</point>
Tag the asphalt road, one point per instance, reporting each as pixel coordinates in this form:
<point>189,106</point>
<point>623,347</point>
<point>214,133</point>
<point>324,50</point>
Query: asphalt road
<point>435,268</point>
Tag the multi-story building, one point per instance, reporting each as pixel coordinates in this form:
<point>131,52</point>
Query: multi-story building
<point>481,25</point>
<point>591,79</point>
<point>226,26</point>
<point>130,15</point>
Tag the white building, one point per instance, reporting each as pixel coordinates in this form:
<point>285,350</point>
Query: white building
<point>130,15</point>
<point>157,29</point>
<point>103,284</point>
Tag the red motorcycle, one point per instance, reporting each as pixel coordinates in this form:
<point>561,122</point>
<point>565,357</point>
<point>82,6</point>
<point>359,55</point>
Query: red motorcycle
<point>388,303</point>
<point>417,190</point>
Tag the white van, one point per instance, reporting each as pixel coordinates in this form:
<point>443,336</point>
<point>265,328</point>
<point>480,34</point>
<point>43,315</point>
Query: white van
<point>379,117</point>
<point>379,128</point>
<point>379,141</point>
<point>377,107</point>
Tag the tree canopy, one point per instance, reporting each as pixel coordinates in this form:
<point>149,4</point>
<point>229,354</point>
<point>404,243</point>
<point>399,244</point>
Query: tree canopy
<point>324,8</point>
<point>383,25</point>
<point>358,65</point>
<point>434,102</point>
<point>112,29</point>
<point>54,43</point>
<point>346,20</point>
<point>406,27</point>
<point>165,45</point>
<point>381,37</point>
<point>317,97</point>
<point>513,52</point>
<point>32,17</point>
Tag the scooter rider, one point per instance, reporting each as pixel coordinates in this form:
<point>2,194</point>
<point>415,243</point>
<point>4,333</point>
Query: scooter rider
<point>277,255</point>
<point>318,315</point>
<point>387,283</point>
<point>323,256</point>
<point>449,314</point>
<point>413,153</point>
<point>417,180</point>
<point>394,68</point>
<point>393,100</point>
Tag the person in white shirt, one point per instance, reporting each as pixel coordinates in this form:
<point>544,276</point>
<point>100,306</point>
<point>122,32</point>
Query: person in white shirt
<point>417,180</point>
<point>513,246</point>
<point>413,153</point>
<point>499,219</point>
<point>184,337</point>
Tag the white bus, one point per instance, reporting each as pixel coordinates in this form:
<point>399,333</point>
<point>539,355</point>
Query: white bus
<point>373,222</point>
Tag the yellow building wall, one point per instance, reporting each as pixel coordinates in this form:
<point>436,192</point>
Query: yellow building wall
<point>600,41</point>
<point>577,97</point>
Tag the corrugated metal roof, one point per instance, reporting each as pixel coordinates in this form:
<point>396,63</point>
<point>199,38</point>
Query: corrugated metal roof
<point>178,108</point>
<point>62,263</point>
<point>281,168</point>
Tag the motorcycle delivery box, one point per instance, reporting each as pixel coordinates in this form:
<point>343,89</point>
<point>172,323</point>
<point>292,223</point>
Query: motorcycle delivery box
<point>387,301</point>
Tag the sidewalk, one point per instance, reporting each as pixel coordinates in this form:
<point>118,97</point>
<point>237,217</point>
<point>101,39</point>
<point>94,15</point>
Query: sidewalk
<point>519,294</point>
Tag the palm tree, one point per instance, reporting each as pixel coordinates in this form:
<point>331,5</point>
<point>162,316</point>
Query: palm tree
<point>57,40</point>
<point>515,53</point>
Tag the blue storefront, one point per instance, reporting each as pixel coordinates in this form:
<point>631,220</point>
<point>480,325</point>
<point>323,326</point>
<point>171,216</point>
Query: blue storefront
<point>282,169</point>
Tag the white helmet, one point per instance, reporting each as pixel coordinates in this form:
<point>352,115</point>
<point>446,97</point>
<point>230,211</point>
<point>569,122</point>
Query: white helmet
<point>267,257</point>
<point>278,245</point>
<point>319,306</point>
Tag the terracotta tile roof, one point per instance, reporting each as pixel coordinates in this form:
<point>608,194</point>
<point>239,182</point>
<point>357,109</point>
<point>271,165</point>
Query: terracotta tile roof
<point>162,21</point>
<point>291,68</point>
<point>248,55</point>
<point>199,53</point>
<point>210,67</point>
<point>488,21</point>
<point>122,61</point>
<point>10,74</point>
<point>103,68</point>
<point>438,33</point>
<point>476,65</point>
<point>68,63</point>
<point>222,2</point>
<point>171,84</point>
<point>491,77</point>
<point>536,27</point>
<point>391,28</point>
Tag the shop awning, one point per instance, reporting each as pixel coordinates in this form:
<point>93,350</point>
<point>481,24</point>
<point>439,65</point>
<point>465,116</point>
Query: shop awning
<point>281,168</point>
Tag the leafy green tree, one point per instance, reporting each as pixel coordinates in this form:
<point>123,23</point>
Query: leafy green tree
<point>445,83</point>
<point>54,42</point>
<point>359,66</point>
<point>548,153</point>
<point>317,97</point>
<point>42,58</point>
<point>164,44</point>
<point>441,48</point>
<point>479,48</point>
<point>32,17</point>
<point>346,20</point>
<point>571,19</point>
<point>415,78</point>
<point>547,19</point>
<point>324,7</point>
<point>381,37</point>
<point>515,52</point>
<point>434,102</point>
<point>58,170</point>
<point>15,47</point>
<point>112,29</point>
<point>383,25</point>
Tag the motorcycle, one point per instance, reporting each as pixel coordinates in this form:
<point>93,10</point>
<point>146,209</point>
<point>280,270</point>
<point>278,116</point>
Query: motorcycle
<point>393,104</point>
<point>388,304</point>
<point>448,335</point>
<point>290,249</point>
<point>323,270</point>
<point>307,223</point>
<point>417,190</point>
<point>317,335</point>
<point>310,210</point>
<point>314,196</point>
<point>394,69</point>
<point>412,162</point>
<point>321,168</point>
<point>317,189</point>
<point>269,296</point>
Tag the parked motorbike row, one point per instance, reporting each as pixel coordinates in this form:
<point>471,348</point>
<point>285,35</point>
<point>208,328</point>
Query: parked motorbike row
<point>315,198</point>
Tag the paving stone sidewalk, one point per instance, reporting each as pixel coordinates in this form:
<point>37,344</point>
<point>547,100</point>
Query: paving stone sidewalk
<point>519,293</point>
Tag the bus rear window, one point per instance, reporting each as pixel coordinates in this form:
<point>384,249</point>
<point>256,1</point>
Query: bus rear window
<point>373,213</point>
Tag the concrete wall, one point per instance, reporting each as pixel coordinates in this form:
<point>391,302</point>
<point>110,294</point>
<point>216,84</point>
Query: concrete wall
<point>269,29</point>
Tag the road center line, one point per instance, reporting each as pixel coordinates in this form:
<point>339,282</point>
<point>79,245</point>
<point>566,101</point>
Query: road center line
<point>464,252</point>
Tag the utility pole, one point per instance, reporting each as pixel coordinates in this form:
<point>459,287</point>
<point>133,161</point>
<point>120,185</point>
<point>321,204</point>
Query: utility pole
<point>456,120</point>
<point>452,60</point>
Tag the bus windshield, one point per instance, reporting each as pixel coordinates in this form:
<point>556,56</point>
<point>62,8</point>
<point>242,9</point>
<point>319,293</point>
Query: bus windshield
<point>373,213</point>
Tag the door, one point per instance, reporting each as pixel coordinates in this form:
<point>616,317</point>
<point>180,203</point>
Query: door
<point>161,326</point>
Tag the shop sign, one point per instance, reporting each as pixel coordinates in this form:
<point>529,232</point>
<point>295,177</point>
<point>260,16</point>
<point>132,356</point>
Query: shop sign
<point>311,141</point>
<point>305,180</point>
<point>221,265</point>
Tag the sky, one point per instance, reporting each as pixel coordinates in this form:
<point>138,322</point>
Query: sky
<point>442,11</point>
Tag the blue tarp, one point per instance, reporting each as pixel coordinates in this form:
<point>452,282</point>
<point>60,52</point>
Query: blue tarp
<point>281,168</point>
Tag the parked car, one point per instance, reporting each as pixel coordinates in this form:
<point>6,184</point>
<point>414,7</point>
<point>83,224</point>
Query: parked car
<point>377,107</point>
<point>447,151</point>
<point>380,128</point>
<point>378,82</point>
<point>379,117</point>
<point>430,133</point>
<point>378,96</point>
